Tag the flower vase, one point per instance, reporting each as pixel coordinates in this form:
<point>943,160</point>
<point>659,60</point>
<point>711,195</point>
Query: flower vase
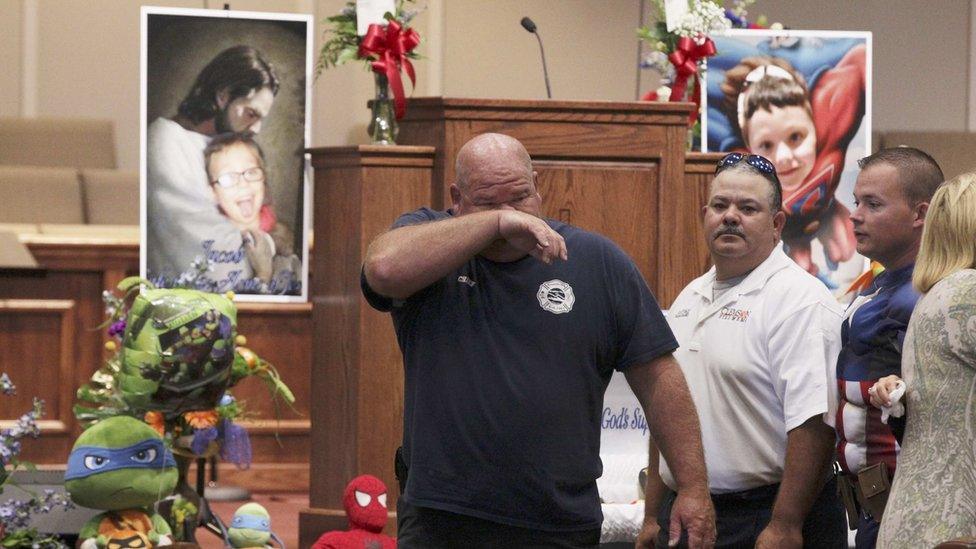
<point>695,136</point>
<point>383,125</point>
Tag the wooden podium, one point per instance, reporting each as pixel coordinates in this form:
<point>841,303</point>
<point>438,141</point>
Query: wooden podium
<point>357,372</point>
<point>611,167</point>
<point>616,168</point>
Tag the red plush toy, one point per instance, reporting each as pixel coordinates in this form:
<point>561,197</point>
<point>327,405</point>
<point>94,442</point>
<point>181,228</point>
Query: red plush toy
<point>365,504</point>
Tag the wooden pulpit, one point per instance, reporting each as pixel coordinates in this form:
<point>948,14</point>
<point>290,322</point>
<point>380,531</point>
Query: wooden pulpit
<point>357,372</point>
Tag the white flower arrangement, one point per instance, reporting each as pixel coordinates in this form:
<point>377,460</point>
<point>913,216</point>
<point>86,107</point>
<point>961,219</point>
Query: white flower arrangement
<point>704,17</point>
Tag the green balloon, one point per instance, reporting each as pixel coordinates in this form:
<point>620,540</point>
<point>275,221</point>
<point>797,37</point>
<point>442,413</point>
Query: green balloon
<point>177,351</point>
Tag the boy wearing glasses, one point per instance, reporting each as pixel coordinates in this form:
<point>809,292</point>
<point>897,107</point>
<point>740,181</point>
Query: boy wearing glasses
<point>757,337</point>
<point>235,169</point>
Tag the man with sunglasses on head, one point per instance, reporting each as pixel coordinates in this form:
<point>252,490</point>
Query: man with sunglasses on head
<point>758,338</point>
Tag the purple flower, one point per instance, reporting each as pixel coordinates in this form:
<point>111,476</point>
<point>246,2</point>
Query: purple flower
<point>737,22</point>
<point>117,328</point>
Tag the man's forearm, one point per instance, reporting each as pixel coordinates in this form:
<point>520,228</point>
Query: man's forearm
<point>654,487</point>
<point>403,261</point>
<point>808,451</point>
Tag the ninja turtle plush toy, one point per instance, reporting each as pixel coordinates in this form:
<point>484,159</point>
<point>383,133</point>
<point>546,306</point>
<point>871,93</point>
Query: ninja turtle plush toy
<point>251,528</point>
<point>121,465</point>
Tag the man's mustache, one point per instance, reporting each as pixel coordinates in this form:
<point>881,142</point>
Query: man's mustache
<point>733,230</point>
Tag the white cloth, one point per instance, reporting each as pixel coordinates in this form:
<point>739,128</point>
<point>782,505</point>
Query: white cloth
<point>181,214</point>
<point>757,361</point>
<point>897,407</point>
<point>623,451</point>
<point>621,522</point>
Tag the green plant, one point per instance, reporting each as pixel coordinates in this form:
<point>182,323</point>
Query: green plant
<point>342,41</point>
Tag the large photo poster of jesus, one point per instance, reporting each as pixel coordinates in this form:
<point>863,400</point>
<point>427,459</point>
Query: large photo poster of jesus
<point>803,100</point>
<point>225,191</point>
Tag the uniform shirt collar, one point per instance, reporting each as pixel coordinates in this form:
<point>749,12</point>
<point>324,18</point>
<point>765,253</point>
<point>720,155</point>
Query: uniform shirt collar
<point>776,261</point>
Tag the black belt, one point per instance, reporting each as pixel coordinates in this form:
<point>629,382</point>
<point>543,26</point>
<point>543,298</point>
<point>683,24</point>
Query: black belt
<point>757,494</point>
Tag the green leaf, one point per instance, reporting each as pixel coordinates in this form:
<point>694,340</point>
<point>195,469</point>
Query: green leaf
<point>346,55</point>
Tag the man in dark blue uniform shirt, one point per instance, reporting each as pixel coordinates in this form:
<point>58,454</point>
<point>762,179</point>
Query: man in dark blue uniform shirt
<point>510,326</point>
<point>892,195</point>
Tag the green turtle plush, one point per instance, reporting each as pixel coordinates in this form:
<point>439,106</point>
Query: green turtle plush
<point>251,528</point>
<point>121,465</point>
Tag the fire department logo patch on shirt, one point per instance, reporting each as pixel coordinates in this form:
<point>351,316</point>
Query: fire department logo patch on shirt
<point>556,296</point>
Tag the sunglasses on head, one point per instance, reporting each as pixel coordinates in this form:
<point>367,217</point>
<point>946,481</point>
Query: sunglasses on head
<point>761,163</point>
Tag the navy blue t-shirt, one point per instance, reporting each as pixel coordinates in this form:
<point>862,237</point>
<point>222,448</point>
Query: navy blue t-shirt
<point>505,369</point>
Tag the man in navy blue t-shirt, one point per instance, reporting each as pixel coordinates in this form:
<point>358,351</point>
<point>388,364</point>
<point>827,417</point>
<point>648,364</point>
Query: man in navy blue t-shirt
<point>510,327</point>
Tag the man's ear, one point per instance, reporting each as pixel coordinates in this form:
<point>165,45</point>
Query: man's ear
<point>455,199</point>
<point>223,98</point>
<point>779,221</point>
<point>921,210</point>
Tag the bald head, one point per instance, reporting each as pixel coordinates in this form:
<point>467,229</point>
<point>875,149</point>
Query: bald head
<point>492,149</point>
<point>494,171</point>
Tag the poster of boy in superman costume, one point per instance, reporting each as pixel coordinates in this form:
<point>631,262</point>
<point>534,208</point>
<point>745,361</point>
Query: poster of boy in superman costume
<point>803,100</point>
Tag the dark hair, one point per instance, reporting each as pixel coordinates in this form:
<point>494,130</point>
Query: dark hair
<point>224,141</point>
<point>765,93</point>
<point>918,173</point>
<point>758,165</point>
<point>238,70</point>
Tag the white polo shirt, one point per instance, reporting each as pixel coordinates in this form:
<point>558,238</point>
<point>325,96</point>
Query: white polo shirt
<point>757,361</point>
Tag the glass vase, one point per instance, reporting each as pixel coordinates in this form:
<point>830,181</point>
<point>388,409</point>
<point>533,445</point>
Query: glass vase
<point>383,125</point>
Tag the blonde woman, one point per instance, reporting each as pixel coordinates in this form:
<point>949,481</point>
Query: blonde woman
<point>934,494</point>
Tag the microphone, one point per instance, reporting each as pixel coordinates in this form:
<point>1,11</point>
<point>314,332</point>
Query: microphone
<point>528,25</point>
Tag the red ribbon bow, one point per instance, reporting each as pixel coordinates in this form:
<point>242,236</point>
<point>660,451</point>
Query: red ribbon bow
<point>389,47</point>
<point>685,60</point>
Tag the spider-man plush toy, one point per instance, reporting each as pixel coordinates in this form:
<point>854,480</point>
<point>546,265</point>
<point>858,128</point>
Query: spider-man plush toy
<point>365,502</point>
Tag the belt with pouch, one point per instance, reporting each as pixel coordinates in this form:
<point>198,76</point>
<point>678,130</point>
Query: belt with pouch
<point>867,491</point>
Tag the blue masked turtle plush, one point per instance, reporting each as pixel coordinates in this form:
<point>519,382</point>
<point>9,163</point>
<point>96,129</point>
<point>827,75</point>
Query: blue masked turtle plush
<point>121,465</point>
<point>251,528</point>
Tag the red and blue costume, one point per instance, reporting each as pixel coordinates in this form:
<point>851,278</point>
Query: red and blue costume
<point>836,76</point>
<point>872,337</point>
<point>837,102</point>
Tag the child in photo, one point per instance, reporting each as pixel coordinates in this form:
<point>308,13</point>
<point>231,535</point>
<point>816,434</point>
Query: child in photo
<point>805,131</point>
<point>238,180</point>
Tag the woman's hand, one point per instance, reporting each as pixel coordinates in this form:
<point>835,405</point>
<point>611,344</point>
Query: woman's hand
<point>881,391</point>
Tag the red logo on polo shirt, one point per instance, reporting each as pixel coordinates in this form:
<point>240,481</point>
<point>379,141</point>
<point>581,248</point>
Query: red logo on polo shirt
<point>738,315</point>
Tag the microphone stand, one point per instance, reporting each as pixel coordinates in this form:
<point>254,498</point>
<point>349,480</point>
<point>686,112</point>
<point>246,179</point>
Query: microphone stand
<point>545,70</point>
